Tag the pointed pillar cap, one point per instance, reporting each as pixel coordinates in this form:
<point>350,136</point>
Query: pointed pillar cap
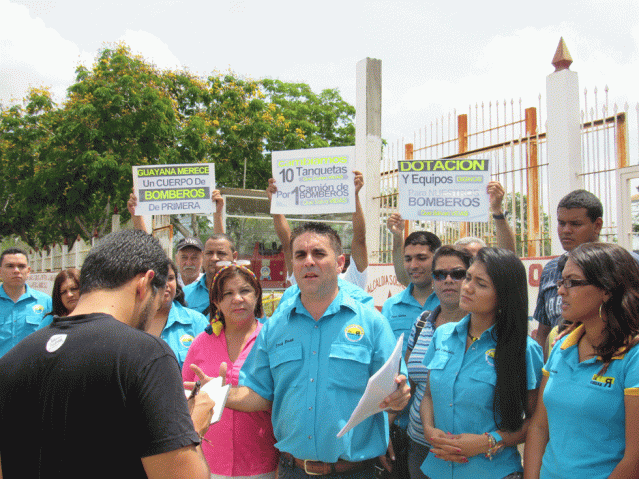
<point>562,58</point>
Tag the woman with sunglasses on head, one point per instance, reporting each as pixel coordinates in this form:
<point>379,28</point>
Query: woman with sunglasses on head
<point>241,444</point>
<point>587,422</point>
<point>449,269</point>
<point>484,372</point>
<point>174,322</point>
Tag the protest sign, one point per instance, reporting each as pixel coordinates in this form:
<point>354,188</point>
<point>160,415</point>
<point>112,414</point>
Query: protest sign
<point>314,181</point>
<point>444,190</point>
<point>174,189</point>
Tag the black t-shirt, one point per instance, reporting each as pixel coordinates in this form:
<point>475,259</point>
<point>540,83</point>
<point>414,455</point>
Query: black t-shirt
<point>89,397</point>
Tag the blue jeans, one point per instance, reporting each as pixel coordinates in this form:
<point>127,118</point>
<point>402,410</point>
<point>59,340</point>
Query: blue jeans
<point>416,456</point>
<point>290,471</point>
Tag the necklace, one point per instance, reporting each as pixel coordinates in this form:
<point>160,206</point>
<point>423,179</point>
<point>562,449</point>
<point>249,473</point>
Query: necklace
<point>472,338</point>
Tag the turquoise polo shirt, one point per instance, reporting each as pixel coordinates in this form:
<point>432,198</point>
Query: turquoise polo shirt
<point>402,310</point>
<point>196,295</point>
<point>349,289</point>
<point>315,373</point>
<point>462,386</point>
<point>19,319</point>
<point>586,412</point>
<point>181,329</point>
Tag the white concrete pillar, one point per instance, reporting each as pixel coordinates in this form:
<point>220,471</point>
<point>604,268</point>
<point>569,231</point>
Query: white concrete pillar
<point>368,146</point>
<point>563,136</point>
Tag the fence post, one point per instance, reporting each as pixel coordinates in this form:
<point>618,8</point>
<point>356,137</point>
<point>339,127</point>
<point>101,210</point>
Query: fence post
<point>462,138</point>
<point>532,171</point>
<point>368,147</point>
<point>563,134</point>
<point>621,140</point>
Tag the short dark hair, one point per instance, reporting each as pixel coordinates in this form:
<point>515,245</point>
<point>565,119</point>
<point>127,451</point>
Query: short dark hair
<point>611,268</point>
<point>508,275</point>
<point>217,289</point>
<point>13,251</point>
<point>56,297</point>
<point>452,250</point>
<point>321,229</point>
<point>583,199</point>
<point>424,238</point>
<point>121,256</point>
<point>221,236</point>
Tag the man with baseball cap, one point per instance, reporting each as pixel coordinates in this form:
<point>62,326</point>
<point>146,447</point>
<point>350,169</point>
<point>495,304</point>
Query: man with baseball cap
<point>188,258</point>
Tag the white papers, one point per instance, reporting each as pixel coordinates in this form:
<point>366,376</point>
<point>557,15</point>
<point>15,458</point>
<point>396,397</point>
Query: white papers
<point>218,393</point>
<point>380,385</point>
<point>174,189</point>
<point>444,190</point>
<point>314,181</point>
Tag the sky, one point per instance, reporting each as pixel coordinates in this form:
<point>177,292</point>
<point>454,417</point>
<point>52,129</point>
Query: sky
<point>436,56</point>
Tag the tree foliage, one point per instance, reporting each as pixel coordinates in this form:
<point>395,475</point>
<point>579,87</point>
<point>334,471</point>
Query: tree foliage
<point>65,168</point>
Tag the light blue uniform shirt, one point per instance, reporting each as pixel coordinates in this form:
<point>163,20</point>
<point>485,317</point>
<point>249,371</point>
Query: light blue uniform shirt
<point>349,289</point>
<point>462,385</point>
<point>18,320</point>
<point>586,412</point>
<point>315,373</point>
<point>181,329</point>
<point>196,295</point>
<point>402,310</point>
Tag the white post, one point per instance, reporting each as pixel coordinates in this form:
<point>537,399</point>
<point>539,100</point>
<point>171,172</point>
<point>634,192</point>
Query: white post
<point>368,146</point>
<point>563,134</point>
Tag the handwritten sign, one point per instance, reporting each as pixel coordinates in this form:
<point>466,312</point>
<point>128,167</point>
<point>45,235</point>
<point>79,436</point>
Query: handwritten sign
<point>314,181</point>
<point>445,190</point>
<point>174,189</point>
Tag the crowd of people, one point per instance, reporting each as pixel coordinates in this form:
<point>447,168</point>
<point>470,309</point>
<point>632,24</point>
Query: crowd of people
<point>118,342</point>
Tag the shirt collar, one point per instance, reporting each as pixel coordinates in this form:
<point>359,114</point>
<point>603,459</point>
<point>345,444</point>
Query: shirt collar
<point>28,292</point>
<point>573,338</point>
<point>461,328</point>
<point>341,300</point>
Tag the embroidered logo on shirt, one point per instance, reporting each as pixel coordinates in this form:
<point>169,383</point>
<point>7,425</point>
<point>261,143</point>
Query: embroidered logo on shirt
<point>354,333</point>
<point>490,357</point>
<point>38,308</point>
<point>186,340</point>
<point>55,342</point>
<point>602,381</point>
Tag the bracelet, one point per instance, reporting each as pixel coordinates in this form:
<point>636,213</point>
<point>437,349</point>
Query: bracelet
<point>501,216</point>
<point>493,447</point>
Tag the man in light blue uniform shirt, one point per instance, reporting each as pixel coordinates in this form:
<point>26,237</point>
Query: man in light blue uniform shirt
<point>218,247</point>
<point>182,328</point>
<point>311,363</point>
<point>21,307</point>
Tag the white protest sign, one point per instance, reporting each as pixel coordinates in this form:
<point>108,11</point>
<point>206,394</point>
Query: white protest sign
<point>314,181</point>
<point>174,189</point>
<point>444,190</point>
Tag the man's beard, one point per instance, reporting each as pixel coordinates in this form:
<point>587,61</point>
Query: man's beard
<point>145,314</point>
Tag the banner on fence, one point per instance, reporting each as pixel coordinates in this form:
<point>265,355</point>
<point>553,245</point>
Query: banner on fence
<point>445,190</point>
<point>174,189</point>
<point>314,181</point>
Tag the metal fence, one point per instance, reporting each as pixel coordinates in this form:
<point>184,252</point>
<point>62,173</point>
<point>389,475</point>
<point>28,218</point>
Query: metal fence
<point>512,137</point>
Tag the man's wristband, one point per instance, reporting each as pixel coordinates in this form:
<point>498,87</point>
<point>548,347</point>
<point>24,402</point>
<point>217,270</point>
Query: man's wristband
<point>501,216</point>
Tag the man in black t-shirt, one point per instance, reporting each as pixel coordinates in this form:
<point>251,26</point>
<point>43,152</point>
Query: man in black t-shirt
<point>93,395</point>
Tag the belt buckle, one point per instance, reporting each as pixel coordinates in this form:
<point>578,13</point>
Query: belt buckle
<point>312,473</point>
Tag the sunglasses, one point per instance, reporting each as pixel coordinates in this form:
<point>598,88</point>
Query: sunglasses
<point>455,274</point>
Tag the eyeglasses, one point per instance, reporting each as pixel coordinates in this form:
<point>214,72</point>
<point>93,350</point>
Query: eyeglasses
<point>569,283</point>
<point>455,274</point>
<point>239,262</point>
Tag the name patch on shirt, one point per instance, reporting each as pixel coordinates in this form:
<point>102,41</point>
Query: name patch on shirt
<point>602,381</point>
<point>186,340</point>
<point>38,308</point>
<point>354,333</point>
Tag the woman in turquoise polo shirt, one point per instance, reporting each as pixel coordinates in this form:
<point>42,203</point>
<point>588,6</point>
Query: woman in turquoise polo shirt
<point>587,422</point>
<point>484,372</point>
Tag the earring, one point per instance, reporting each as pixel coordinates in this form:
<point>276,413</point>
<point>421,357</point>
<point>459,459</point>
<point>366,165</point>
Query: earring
<point>600,316</point>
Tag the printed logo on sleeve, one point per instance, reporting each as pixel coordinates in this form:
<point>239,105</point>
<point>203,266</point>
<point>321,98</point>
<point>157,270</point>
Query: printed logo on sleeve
<point>354,333</point>
<point>55,342</point>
